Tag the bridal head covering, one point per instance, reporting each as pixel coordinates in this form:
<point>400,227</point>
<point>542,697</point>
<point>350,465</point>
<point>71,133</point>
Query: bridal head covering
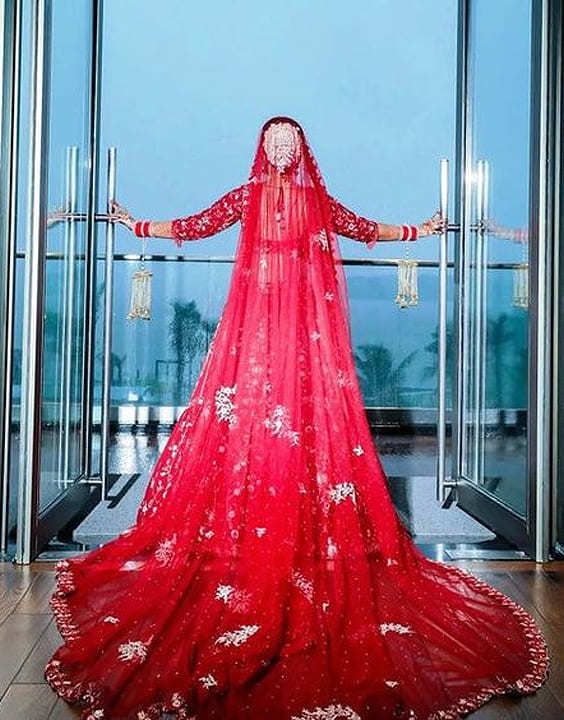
<point>287,235</point>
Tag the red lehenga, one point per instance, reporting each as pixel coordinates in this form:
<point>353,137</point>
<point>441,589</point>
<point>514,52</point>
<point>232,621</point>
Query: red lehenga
<point>267,574</point>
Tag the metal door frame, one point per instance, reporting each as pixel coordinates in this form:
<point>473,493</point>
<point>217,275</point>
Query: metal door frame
<point>34,527</point>
<point>556,151</point>
<point>10,43</point>
<point>530,533</point>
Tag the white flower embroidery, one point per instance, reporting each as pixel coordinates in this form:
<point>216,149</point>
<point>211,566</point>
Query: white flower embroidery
<point>203,533</point>
<point>315,335</point>
<point>237,637</point>
<point>331,548</point>
<point>303,584</point>
<point>324,606</point>
<point>322,239</point>
<point>111,619</point>
<point>395,627</point>
<point>391,561</point>
<point>223,592</point>
<point>341,491</point>
<point>208,681</point>
<point>391,683</point>
<point>342,379</point>
<point>224,405</point>
<point>166,468</point>
<point>329,712</point>
<point>133,650</point>
<point>132,565</point>
<point>165,550</point>
<point>279,424</point>
<point>358,450</point>
<point>329,296</point>
<point>239,465</point>
<point>92,695</point>
<point>177,700</point>
<point>260,531</point>
<point>96,715</point>
<point>294,437</point>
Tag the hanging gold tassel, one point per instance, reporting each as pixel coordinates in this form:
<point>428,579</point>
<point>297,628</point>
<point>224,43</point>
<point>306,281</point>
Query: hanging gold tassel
<point>407,292</point>
<point>141,280</point>
<point>521,285</point>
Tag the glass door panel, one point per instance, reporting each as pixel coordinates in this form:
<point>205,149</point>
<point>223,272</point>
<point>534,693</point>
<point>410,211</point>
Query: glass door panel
<point>495,263</point>
<point>68,170</point>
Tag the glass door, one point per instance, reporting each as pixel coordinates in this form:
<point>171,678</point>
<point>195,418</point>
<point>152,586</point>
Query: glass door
<point>65,267</point>
<point>494,433</point>
<point>56,260</point>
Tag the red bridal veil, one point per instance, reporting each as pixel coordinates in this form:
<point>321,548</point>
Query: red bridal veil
<point>267,574</point>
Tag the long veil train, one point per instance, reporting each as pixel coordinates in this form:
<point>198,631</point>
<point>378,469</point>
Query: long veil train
<point>267,574</point>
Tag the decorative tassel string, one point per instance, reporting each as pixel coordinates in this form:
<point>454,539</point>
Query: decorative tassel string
<point>141,290</point>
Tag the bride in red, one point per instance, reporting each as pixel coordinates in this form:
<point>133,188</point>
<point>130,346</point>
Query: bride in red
<point>267,575</point>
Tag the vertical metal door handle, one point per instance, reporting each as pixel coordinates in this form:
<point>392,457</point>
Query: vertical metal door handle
<point>108,302</point>
<point>442,484</point>
<point>65,409</point>
<point>480,325</point>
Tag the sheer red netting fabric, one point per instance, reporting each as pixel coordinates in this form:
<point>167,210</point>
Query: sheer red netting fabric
<point>267,574</point>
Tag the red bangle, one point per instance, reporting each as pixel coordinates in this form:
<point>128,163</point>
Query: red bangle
<point>141,228</point>
<point>404,232</point>
<point>413,232</point>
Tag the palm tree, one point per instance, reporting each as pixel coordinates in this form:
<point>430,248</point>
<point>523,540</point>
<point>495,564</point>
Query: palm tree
<point>116,364</point>
<point>508,358</point>
<point>378,377</point>
<point>187,337</point>
<point>432,348</point>
<point>208,328</point>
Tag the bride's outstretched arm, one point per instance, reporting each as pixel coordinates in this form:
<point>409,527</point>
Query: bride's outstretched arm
<point>357,227</point>
<point>217,217</point>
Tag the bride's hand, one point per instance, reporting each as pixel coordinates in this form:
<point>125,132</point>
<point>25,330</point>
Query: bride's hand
<point>436,225</point>
<point>121,215</point>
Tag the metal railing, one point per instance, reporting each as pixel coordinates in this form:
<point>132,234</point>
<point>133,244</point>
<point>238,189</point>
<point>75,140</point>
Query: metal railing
<point>442,264</point>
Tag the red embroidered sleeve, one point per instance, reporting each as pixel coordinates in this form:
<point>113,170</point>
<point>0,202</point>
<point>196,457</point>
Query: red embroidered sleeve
<point>218,216</point>
<point>347,223</point>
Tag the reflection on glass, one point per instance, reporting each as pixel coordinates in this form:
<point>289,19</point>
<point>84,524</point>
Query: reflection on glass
<point>157,362</point>
<point>63,340</point>
<point>496,301</point>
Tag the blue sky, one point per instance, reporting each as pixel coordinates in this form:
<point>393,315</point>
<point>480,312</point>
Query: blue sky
<point>187,86</point>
